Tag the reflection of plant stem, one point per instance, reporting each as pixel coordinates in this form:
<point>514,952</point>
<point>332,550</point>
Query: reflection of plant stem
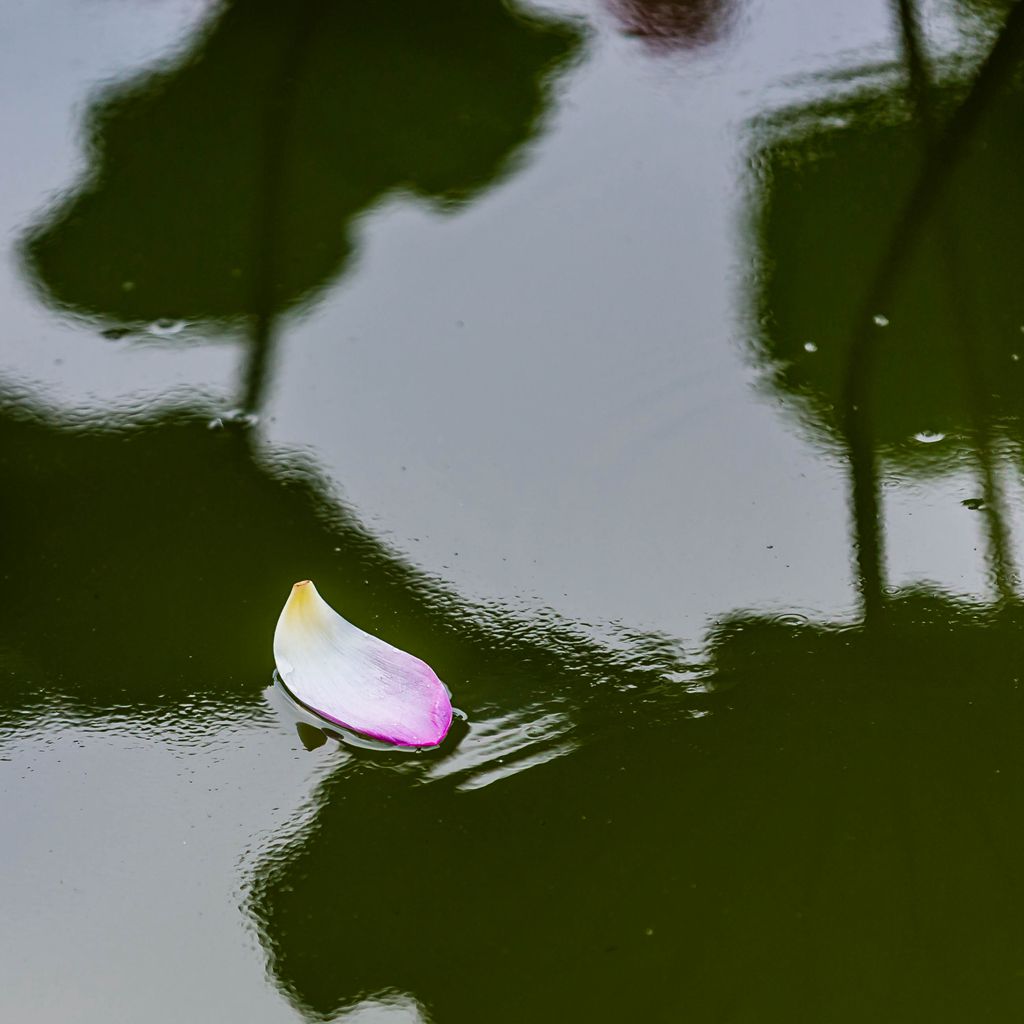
<point>918,77</point>
<point>867,529</point>
<point>942,157</point>
<point>959,295</point>
<point>1002,569</point>
<point>268,241</point>
<point>257,366</point>
<point>999,552</point>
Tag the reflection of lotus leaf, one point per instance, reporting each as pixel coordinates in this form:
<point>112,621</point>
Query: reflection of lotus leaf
<point>835,180</point>
<point>152,561</point>
<point>846,820</point>
<point>989,15</point>
<point>226,183</point>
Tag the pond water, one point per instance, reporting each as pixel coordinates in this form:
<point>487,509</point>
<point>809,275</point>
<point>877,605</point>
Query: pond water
<point>651,368</point>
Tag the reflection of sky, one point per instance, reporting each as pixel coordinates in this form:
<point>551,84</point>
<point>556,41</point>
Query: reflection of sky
<point>544,398</point>
<point>388,1009</point>
<point>107,879</point>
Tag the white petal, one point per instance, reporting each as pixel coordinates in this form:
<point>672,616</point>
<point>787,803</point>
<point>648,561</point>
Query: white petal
<point>355,680</point>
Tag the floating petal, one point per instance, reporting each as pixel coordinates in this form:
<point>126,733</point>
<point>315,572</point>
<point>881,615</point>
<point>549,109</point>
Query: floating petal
<point>355,680</point>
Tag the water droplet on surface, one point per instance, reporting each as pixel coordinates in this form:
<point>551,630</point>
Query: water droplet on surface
<point>974,504</point>
<point>881,321</point>
<point>215,424</point>
<point>166,326</point>
<point>809,346</point>
<point>241,418</point>
<point>929,436</point>
<point>1015,357</point>
<point>791,619</point>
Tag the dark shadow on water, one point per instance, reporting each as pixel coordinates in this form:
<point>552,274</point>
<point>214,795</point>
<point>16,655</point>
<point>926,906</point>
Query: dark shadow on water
<point>225,186</point>
<point>841,830</point>
<point>226,183</point>
<point>888,291</point>
<point>146,563</point>
<point>992,78</point>
<point>846,229</point>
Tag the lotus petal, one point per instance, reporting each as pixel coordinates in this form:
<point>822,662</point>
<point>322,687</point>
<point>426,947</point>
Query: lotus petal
<point>355,680</point>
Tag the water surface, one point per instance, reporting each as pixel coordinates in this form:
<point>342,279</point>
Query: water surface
<point>652,369</point>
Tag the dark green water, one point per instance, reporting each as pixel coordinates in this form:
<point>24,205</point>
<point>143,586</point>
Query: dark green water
<point>653,370</point>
